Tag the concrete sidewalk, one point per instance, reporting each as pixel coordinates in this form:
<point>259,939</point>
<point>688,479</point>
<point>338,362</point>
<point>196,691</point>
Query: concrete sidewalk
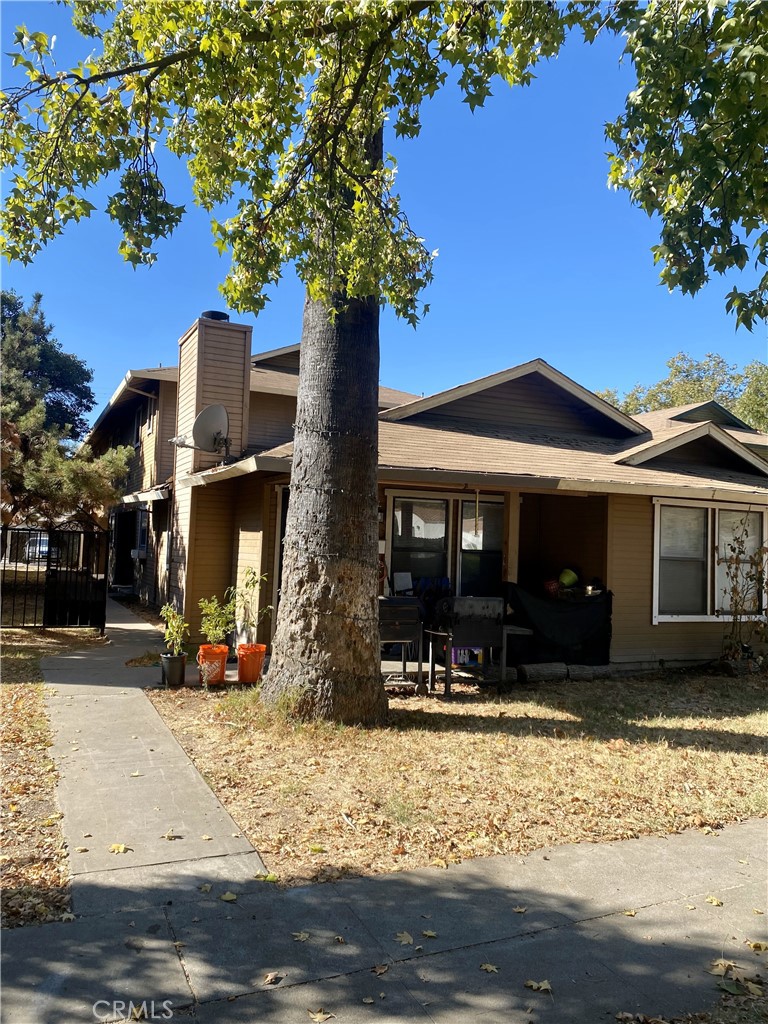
<point>151,926</point>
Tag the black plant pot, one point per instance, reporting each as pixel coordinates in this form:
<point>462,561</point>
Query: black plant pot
<point>174,669</point>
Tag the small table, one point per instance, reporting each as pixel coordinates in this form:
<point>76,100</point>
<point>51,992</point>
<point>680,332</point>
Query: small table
<point>507,631</point>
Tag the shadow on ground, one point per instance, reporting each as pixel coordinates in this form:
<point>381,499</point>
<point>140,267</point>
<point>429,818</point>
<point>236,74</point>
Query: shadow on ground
<point>414,943</point>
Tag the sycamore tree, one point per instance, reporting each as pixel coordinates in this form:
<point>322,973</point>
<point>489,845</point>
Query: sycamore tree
<point>46,397</point>
<point>713,378</point>
<point>279,111</point>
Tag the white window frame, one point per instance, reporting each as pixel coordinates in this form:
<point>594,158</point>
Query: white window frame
<point>713,508</point>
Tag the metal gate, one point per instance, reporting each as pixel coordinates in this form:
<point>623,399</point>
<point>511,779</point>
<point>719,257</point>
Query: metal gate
<point>55,577</point>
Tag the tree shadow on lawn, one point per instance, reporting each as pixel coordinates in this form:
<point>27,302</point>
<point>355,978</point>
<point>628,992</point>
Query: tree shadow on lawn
<point>165,940</point>
<point>606,710</point>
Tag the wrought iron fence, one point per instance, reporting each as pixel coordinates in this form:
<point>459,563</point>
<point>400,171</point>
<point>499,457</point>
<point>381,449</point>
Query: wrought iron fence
<point>54,577</point>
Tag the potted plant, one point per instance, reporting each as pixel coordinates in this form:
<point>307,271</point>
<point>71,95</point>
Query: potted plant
<point>174,662</point>
<point>217,622</point>
<point>250,656</point>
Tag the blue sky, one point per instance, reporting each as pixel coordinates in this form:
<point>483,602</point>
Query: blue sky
<point>537,256</point>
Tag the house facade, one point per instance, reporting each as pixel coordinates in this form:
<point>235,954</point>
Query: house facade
<point>502,482</point>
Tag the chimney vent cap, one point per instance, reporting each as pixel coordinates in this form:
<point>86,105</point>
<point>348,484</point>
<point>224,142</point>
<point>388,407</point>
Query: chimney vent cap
<point>213,314</point>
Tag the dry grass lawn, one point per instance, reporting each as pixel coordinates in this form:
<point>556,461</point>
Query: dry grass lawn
<point>479,775</point>
<point>35,878</point>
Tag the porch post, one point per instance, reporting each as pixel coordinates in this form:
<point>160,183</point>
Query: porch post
<point>511,536</point>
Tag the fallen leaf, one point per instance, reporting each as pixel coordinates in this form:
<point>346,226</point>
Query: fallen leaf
<point>539,986</point>
<point>753,988</point>
<point>689,906</point>
<point>714,901</point>
<point>170,835</point>
<point>320,1015</point>
<point>118,848</point>
<point>438,862</point>
<point>179,945</point>
<point>519,910</point>
<point>67,917</point>
<point>758,947</point>
<point>81,849</point>
<point>266,878</point>
<point>89,835</point>
<point>429,935</point>
<point>316,848</point>
<point>136,775</point>
<point>380,969</point>
<point>490,968</point>
<point>721,967</point>
<point>404,938</point>
<point>206,839</point>
<point>228,897</point>
<point>340,939</point>
<point>756,911</point>
<point>273,978</point>
<point>630,913</point>
<point>206,887</point>
<point>300,936</point>
<point>368,1000</point>
<point>418,949</point>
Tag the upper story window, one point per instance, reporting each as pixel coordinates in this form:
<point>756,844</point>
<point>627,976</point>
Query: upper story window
<point>138,419</point>
<point>706,556</point>
<point>151,414</point>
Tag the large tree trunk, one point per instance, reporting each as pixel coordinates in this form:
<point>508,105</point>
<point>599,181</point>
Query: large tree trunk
<point>326,658</point>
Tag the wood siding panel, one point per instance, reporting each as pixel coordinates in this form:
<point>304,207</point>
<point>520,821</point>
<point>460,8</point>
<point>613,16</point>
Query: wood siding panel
<point>271,421</point>
<point>166,418</point>
<point>530,401</point>
<point>630,577</point>
<point>212,544</point>
<point>250,547</point>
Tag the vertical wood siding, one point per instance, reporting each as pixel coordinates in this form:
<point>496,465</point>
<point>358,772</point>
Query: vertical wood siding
<point>166,428</point>
<point>271,421</point>
<point>630,577</point>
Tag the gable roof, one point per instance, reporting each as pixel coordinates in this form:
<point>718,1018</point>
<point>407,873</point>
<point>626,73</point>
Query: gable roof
<point>694,412</point>
<point>538,366</point>
<point>673,439</point>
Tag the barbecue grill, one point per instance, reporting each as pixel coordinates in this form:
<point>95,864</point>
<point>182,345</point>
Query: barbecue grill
<point>464,622</point>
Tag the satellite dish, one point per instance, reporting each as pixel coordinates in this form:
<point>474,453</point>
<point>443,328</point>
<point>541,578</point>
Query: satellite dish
<point>210,429</point>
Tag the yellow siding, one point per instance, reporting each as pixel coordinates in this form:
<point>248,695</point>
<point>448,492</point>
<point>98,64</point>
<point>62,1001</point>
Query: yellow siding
<point>211,541</point>
<point>630,577</point>
<point>271,421</point>
<point>250,546</point>
<point>166,419</point>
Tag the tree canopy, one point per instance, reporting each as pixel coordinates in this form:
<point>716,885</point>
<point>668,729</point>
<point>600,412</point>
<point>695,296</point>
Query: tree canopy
<point>36,370</point>
<point>744,392</point>
<point>46,395</point>
<point>271,105</point>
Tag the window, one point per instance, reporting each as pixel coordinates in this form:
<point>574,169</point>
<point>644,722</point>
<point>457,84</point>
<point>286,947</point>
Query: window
<point>420,537</point>
<point>138,419</point>
<point>482,541</point>
<point>694,546</point>
<point>151,413</point>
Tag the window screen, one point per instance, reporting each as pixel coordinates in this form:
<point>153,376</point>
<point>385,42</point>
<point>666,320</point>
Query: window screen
<point>482,541</point>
